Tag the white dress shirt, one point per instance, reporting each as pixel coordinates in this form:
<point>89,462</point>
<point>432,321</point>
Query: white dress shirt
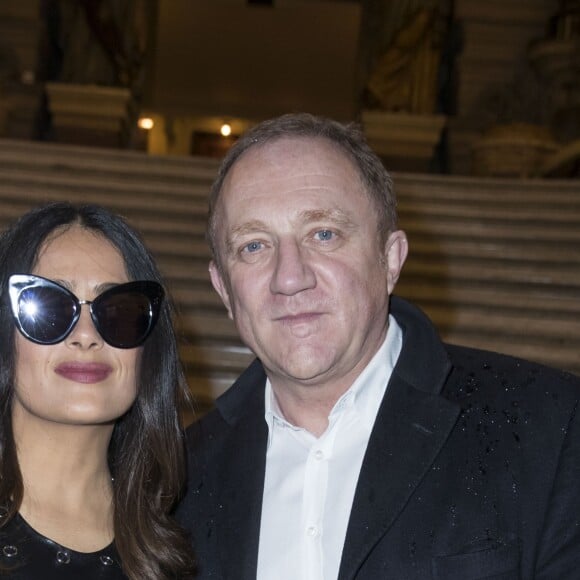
<point>310,483</point>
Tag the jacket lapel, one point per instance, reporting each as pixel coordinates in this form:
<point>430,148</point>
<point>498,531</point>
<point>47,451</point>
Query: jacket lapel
<point>412,425</point>
<point>240,482</point>
<point>410,430</point>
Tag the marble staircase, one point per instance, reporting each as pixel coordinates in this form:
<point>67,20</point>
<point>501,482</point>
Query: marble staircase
<point>494,262</point>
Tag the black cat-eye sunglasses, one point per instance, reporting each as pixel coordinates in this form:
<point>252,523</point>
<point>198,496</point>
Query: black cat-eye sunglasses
<point>46,312</point>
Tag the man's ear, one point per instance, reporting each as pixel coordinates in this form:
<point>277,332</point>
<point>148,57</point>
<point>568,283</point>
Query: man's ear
<point>396,249</point>
<point>220,286</point>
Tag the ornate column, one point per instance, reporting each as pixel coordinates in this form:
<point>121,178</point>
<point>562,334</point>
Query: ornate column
<point>399,98</point>
<point>97,68</point>
<point>495,36</point>
<point>556,58</point>
<point>547,104</point>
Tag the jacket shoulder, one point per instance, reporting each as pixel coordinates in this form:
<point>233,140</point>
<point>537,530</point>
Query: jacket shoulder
<point>487,377</point>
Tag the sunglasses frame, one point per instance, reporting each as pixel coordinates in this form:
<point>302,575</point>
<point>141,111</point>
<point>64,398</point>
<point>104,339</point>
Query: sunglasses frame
<point>152,290</point>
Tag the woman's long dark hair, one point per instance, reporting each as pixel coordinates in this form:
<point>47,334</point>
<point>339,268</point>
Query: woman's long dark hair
<point>146,455</point>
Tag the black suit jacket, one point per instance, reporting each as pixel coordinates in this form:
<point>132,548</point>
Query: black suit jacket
<point>472,471</point>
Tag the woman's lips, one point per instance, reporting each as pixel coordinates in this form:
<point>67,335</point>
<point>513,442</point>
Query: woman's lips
<point>84,372</point>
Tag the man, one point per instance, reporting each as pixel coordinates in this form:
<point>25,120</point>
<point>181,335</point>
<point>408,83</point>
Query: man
<point>358,445</point>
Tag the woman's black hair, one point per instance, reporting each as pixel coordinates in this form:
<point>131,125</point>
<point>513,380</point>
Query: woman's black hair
<point>146,454</point>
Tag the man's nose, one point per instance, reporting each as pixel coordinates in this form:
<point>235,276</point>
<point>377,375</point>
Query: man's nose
<point>293,272</point>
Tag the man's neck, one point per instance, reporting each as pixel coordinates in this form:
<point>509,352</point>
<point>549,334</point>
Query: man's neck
<point>307,407</point>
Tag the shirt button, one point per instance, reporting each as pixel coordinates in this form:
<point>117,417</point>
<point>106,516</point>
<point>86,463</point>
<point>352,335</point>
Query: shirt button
<point>319,455</point>
<point>312,531</point>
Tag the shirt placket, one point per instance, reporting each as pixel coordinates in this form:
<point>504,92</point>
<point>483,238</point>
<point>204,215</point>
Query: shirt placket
<point>314,503</point>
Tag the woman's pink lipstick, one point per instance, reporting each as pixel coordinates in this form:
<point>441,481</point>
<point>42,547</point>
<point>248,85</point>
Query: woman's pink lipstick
<point>84,372</point>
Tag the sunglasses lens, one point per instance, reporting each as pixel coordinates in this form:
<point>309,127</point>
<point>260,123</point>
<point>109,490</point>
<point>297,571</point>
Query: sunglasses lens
<point>45,314</point>
<point>124,319</point>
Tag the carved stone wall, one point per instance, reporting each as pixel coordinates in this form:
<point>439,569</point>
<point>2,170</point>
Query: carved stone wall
<point>20,30</point>
<point>495,37</point>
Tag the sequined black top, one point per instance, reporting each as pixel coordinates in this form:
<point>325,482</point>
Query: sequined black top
<point>27,555</point>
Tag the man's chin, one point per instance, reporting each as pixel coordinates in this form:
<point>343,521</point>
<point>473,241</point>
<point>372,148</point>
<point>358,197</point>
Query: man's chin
<point>302,368</point>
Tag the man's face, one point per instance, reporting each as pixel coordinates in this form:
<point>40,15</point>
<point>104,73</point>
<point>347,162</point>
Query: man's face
<point>304,274</point>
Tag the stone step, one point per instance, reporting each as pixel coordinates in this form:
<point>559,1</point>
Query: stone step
<point>226,359</point>
<point>492,232</point>
<point>207,357</point>
<point>452,292</point>
<point>466,319</point>
<point>548,213</point>
<point>207,385</point>
<point>46,185</point>
<point>63,159</point>
<point>491,273</point>
<point>443,250</point>
<point>192,245</point>
<point>459,293</point>
<point>138,200</point>
<point>515,251</point>
<point>163,213</point>
<point>494,262</point>
<point>177,228</point>
<point>212,368</point>
<point>108,163</point>
<point>41,184</point>
<point>486,191</point>
<point>231,360</point>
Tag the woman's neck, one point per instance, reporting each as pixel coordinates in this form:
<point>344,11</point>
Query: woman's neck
<point>67,484</point>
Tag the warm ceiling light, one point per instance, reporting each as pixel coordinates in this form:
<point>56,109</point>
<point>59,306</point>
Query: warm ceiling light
<point>146,123</point>
<point>226,129</point>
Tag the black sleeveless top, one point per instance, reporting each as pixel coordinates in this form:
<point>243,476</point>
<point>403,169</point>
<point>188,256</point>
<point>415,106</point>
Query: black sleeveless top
<point>27,555</point>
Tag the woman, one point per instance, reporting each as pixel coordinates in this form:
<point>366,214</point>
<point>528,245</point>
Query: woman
<point>90,442</point>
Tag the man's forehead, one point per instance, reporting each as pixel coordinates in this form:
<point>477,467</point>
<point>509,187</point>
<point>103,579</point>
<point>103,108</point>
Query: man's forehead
<point>307,155</point>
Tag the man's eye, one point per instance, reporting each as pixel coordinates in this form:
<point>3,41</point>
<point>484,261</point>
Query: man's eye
<point>324,235</point>
<point>252,247</point>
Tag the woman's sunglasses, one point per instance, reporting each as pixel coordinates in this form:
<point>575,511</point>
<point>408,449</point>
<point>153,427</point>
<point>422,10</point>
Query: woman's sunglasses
<point>46,313</point>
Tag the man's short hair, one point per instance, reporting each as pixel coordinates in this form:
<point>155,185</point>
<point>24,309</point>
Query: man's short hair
<point>347,138</point>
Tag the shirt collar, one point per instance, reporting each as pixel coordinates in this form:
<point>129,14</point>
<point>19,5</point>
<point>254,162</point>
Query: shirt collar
<point>367,391</point>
